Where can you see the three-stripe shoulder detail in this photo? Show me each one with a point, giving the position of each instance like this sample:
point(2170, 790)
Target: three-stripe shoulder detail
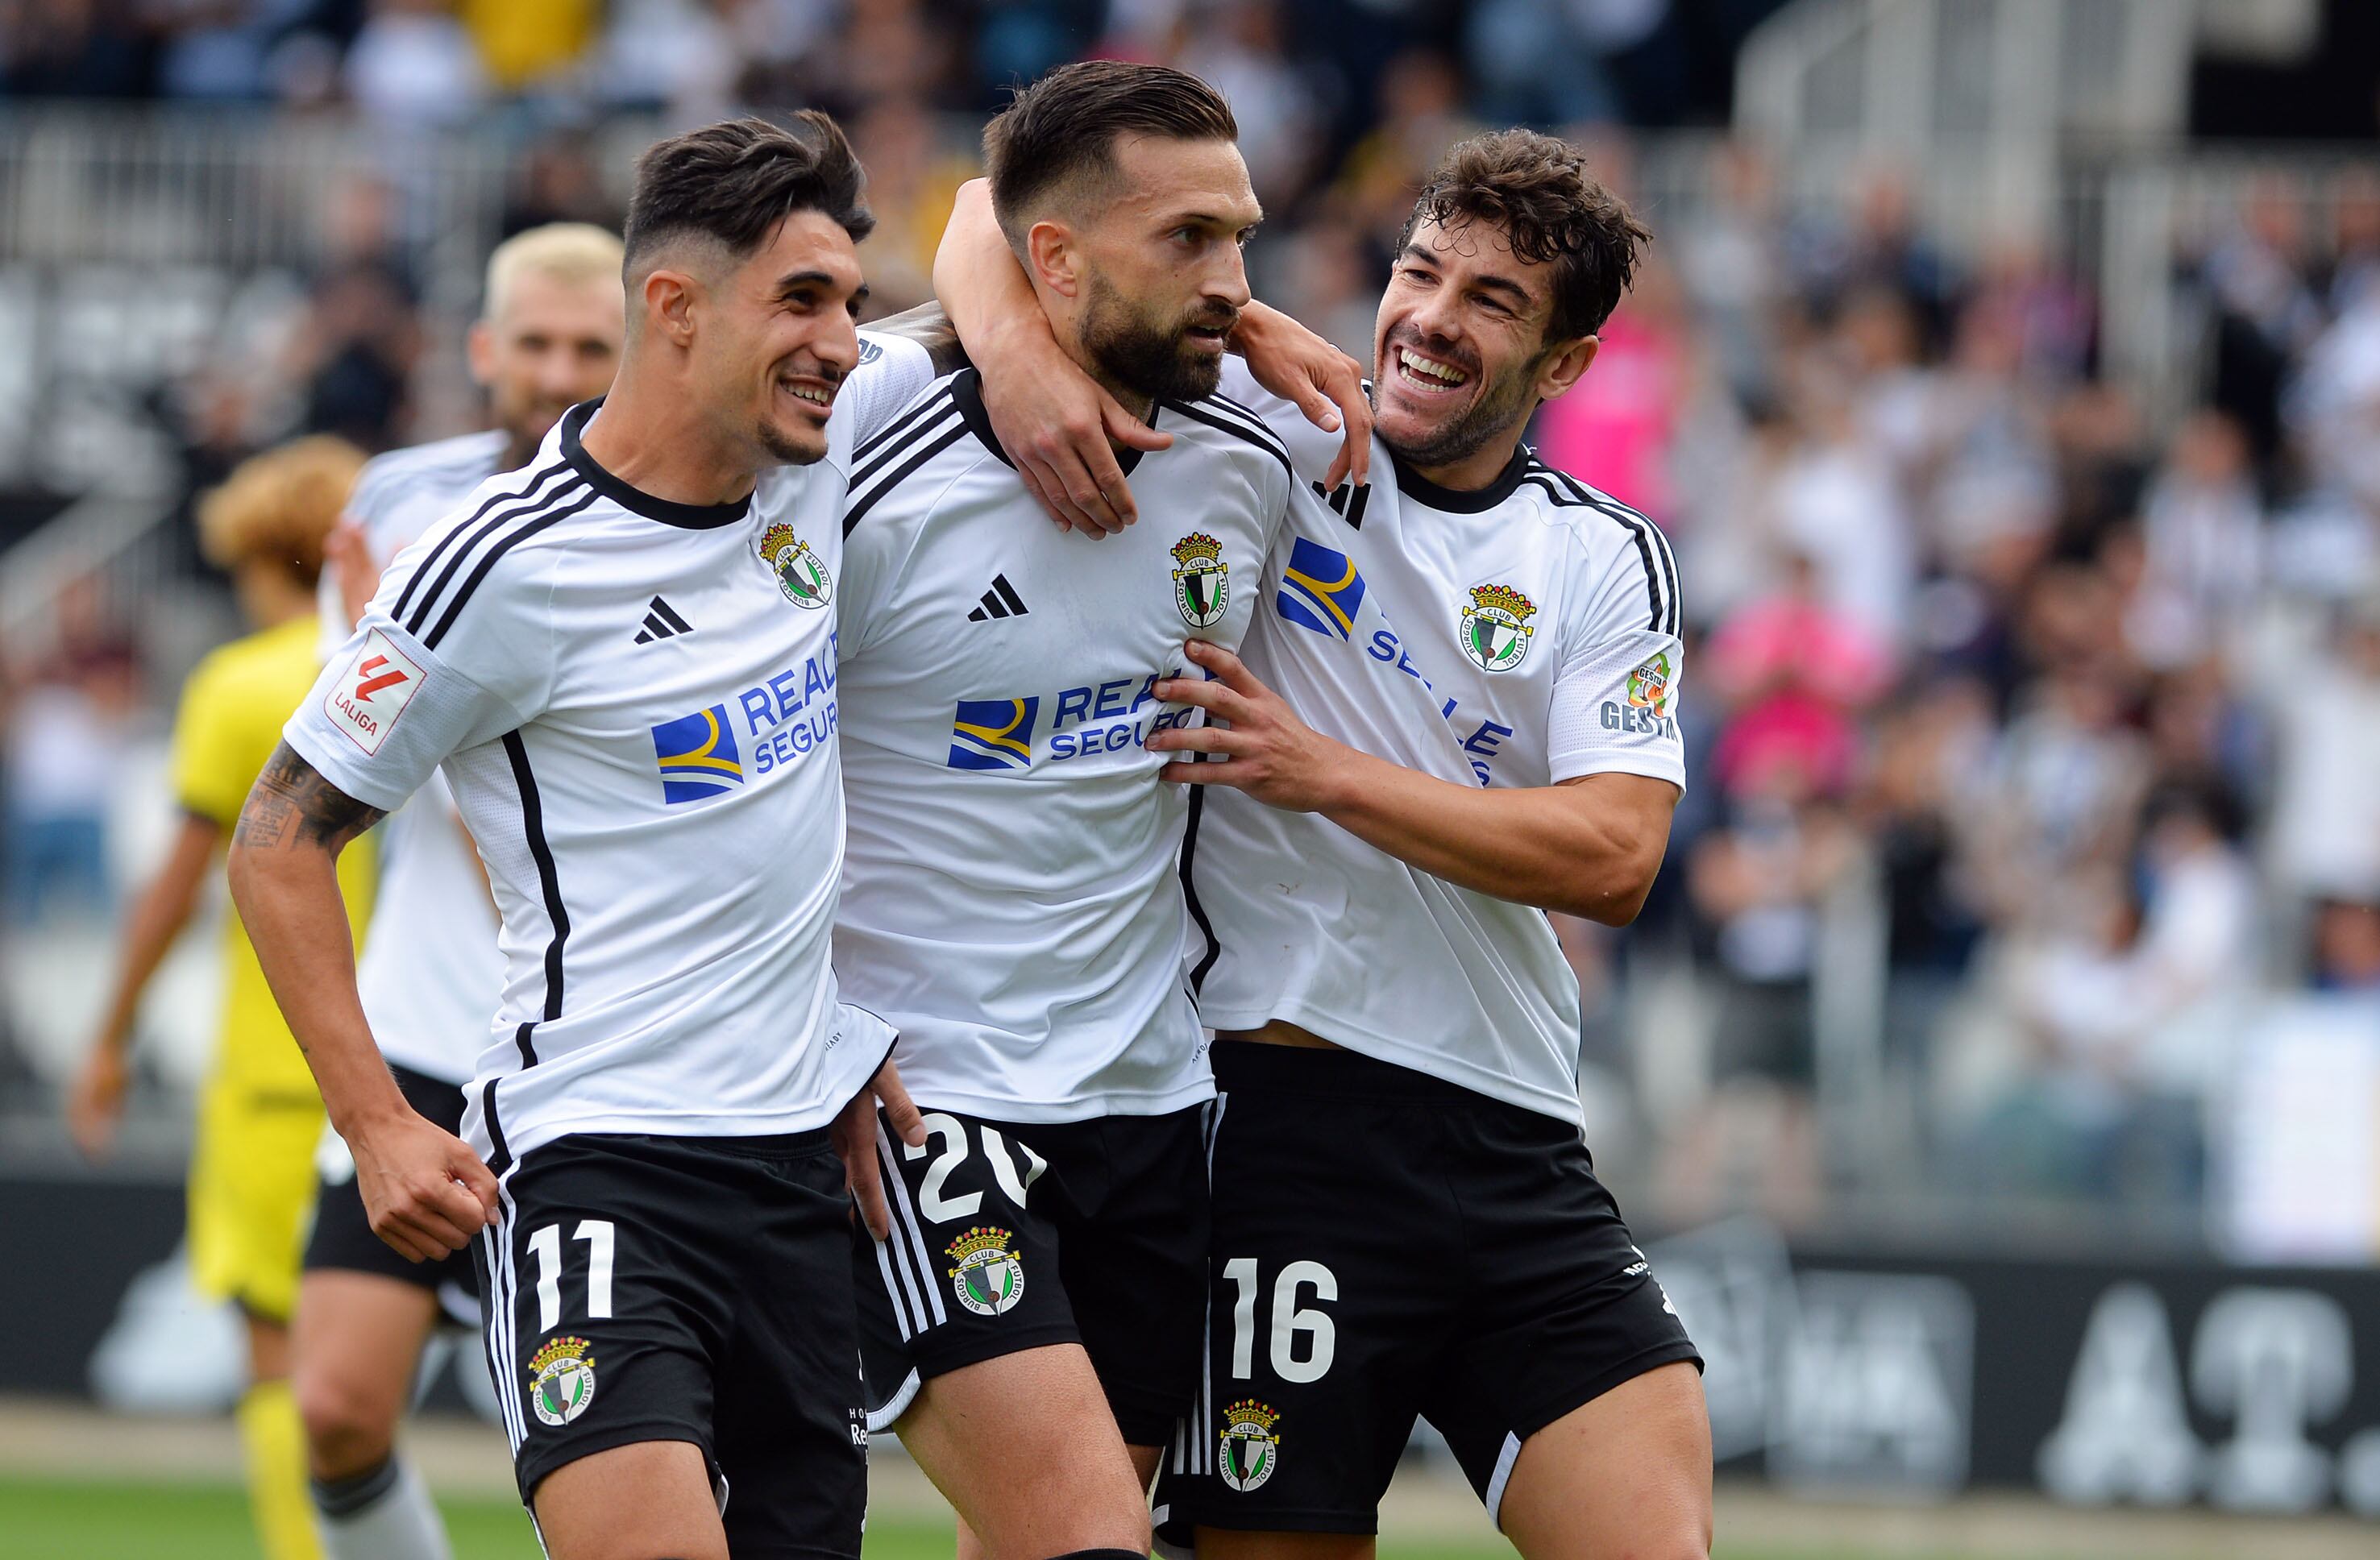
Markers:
point(887, 442)
point(1247, 413)
point(897, 461)
point(461, 559)
point(1652, 545)
point(1231, 417)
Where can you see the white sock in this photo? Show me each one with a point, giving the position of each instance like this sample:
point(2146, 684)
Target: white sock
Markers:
point(384, 1514)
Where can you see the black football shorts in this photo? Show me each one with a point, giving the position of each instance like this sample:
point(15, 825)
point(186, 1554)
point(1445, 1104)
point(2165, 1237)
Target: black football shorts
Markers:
point(343, 1238)
point(698, 1289)
point(1010, 1236)
point(1387, 1245)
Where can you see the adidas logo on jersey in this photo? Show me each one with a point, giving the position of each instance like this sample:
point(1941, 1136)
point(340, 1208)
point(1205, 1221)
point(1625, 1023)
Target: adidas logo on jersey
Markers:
point(662, 622)
point(1000, 602)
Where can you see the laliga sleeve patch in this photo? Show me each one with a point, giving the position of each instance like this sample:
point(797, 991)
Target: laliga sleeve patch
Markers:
point(372, 692)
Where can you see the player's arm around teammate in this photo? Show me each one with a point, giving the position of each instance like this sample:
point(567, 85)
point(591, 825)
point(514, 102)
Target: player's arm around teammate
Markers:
point(1039, 1412)
point(1588, 846)
point(1588, 1438)
point(1629, 1470)
point(1061, 427)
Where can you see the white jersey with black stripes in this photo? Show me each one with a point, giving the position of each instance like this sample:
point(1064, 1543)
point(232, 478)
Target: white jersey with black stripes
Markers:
point(1521, 634)
point(1012, 897)
point(660, 812)
point(429, 974)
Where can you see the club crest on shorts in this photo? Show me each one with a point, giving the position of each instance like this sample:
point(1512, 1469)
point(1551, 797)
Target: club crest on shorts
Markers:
point(1496, 629)
point(1251, 1447)
point(560, 1380)
point(1202, 581)
point(1648, 685)
point(800, 573)
point(990, 1278)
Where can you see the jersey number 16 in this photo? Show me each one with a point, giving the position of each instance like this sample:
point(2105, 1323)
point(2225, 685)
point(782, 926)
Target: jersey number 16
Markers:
point(1288, 1321)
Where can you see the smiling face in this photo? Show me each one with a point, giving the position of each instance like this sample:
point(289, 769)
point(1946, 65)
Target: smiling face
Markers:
point(1153, 276)
point(552, 343)
point(1460, 355)
point(779, 336)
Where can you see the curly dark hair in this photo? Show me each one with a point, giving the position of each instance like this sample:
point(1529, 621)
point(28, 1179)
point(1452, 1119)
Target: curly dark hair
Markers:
point(734, 181)
point(1059, 135)
point(1537, 192)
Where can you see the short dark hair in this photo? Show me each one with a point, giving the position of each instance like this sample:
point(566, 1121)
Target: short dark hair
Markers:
point(734, 181)
point(1061, 131)
point(1537, 192)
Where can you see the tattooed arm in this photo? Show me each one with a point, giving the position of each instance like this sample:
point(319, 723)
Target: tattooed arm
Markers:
point(426, 1191)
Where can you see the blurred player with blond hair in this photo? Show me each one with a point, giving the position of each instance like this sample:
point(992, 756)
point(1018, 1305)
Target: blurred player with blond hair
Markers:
point(548, 337)
point(260, 1118)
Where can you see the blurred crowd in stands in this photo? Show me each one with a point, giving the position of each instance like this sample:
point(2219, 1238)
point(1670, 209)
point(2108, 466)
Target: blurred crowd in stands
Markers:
point(1307, 66)
point(2034, 730)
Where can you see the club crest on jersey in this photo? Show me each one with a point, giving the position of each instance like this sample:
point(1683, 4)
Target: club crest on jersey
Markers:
point(560, 1380)
point(1202, 581)
point(1320, 591)
point(1251, 1447)
point(800, 572)
point(1648, 685)
point(990, 1278)
point(1496, 630)
point(993, 734)
point(698, 755)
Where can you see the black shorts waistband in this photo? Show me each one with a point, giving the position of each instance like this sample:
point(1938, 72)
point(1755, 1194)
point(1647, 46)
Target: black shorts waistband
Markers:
point(1334, 1073)
point(764, 1146)
point(774, 1145)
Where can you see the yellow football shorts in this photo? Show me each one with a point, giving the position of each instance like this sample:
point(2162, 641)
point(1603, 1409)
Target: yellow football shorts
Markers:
point(251, 1191)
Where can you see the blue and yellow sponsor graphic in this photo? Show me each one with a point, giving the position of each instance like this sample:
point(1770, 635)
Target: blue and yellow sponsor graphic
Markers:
point(698, 755)
point(1321, 590)
point(993, 734)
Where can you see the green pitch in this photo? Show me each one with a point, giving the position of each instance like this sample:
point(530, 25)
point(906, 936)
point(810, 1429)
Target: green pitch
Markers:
point(61, 1520)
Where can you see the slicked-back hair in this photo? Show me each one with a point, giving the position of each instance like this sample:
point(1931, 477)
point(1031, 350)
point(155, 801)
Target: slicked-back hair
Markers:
point(1059, 135)
point(1535, 191)
point(734, 181)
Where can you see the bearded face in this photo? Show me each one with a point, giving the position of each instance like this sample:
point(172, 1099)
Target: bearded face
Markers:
point(1164, 357)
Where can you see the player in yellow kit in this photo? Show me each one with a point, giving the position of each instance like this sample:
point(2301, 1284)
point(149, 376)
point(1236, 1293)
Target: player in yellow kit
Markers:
point(251, 1179)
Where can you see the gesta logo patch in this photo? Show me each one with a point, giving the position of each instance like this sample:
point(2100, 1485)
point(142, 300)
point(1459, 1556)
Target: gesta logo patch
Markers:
point(1651, 688)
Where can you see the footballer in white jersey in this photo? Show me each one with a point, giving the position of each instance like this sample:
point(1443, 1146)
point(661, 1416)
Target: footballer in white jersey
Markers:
point(998, 679)
point(1012, 902)
point(1536, 621)
point(549, 336)
point(659, 1206)
point(1457, 713)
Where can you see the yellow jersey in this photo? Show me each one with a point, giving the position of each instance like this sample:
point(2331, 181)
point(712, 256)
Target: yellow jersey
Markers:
point(232, 712)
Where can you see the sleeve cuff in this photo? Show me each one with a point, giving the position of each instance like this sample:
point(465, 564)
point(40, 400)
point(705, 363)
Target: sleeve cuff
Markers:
point(340, 770)
point(1648, 765)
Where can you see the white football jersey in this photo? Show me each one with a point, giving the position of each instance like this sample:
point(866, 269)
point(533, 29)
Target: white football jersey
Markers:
point(1519, 635)
point(429, 974)
point(660, 813)
point(1013, 902)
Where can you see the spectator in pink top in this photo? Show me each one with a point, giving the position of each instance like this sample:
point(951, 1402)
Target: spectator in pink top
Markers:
point(1614, 430)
